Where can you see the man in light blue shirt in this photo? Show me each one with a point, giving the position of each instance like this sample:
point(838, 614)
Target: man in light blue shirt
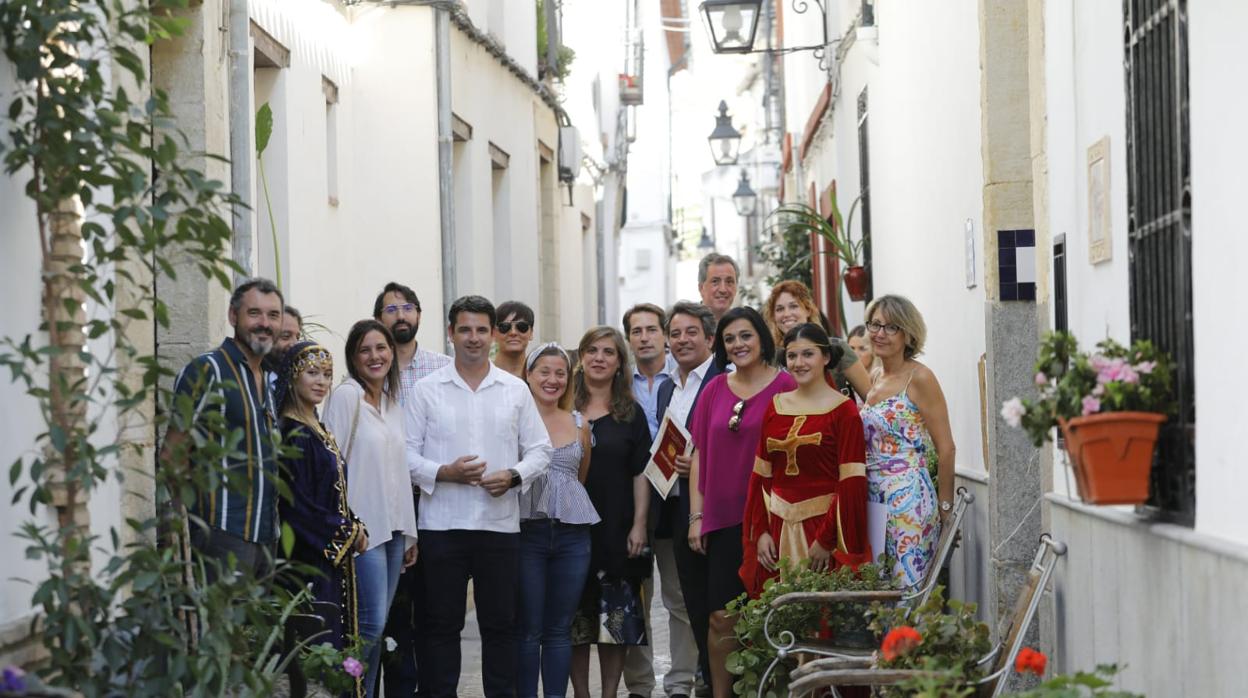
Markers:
point(643, 325)
point(652, 364)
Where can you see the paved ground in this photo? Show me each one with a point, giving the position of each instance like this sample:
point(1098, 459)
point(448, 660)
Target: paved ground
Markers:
point(470, 678)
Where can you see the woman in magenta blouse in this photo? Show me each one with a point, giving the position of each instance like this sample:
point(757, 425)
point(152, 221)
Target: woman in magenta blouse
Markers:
point(727, 424)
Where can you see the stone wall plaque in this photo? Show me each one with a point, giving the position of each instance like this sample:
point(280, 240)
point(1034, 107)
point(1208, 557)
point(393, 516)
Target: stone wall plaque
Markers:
point(1100, 245)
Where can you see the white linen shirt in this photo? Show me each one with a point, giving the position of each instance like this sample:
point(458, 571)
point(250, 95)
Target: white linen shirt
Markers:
point(684, 395)
point(498, 422)
point(377, 487)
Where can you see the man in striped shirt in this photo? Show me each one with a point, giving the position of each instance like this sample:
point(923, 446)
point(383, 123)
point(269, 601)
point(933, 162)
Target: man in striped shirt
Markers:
point(398, 308)
point(226, 394)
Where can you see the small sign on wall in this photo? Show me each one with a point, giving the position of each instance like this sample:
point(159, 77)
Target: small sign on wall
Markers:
point(1100, 247)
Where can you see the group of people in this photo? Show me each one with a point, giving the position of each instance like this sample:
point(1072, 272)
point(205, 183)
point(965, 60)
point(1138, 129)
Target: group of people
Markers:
point(522, 469)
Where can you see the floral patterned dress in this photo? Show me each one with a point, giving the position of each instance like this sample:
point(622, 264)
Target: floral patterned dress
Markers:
point(898, 451)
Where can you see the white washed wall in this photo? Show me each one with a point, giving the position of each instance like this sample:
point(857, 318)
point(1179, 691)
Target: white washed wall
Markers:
point(926, 179)
point(1219, 146)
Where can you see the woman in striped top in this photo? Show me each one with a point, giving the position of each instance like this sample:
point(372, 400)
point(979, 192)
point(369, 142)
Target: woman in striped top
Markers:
point(555, 516)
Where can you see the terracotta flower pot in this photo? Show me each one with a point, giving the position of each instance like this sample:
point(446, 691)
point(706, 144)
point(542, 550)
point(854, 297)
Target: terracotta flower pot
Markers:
point(1112, 454)
point(856, 280)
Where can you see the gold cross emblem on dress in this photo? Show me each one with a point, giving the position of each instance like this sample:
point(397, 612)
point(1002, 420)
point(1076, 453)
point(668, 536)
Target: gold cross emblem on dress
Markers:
point(790, 444)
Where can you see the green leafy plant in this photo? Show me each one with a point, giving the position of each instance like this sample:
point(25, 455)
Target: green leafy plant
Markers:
point(805, 621)
point(1073, 383)
point(335, 669)
point(264, 131)
point(119, 202)
point(1095, 683)
point(564, 55)
point(948, 642)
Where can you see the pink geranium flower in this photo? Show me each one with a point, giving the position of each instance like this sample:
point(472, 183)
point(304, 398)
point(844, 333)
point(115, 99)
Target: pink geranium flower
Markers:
point(1146, 367)
point(1091, 405)
point(1041, 379)
point(352, 666)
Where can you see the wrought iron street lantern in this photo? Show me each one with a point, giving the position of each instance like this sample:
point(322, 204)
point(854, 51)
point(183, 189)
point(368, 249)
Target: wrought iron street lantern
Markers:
point(725, 140)
point(732, 24)
point(706, 245)
point(744, 197)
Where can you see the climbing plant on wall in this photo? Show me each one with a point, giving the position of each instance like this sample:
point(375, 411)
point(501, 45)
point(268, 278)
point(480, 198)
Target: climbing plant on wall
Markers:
point(118, 203)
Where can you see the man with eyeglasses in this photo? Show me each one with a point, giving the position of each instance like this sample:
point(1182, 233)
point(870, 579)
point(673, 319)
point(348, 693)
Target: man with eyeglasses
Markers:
point(512, 335)
point(398, 308)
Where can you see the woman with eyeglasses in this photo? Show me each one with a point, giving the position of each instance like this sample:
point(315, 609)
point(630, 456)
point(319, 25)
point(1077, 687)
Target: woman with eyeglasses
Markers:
point(512, 334)
point(791, 304)
point(807, 499)
point(555, 517)
point(906, 419)
point(727, 423)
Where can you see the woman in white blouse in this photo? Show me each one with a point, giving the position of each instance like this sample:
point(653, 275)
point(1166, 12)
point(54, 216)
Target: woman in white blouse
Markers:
point(364, 415)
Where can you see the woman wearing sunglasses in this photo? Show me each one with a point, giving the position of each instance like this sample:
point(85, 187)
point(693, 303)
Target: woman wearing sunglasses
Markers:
point(727, 423)
point(807, 500)
point(512, 335)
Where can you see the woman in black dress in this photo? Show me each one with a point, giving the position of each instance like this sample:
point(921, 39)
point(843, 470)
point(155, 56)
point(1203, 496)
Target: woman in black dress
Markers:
point(611, 614)
point(327, 533)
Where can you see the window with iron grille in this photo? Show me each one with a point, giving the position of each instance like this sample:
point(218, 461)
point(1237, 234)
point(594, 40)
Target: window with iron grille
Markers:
point(1159, 227)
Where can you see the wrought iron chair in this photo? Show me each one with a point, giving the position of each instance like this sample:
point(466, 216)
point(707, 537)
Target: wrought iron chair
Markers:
point(833, 672)
point(787, 645)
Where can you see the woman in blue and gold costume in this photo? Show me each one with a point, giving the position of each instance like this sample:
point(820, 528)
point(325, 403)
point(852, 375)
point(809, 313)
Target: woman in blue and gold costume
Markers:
point(327, 533)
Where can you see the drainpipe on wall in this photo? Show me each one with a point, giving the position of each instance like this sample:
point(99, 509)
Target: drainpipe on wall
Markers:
point(241, 134)
point(446, 202)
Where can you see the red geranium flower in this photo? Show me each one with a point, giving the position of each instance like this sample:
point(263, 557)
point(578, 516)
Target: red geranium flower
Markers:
point(1030, 660)
point(899, 642)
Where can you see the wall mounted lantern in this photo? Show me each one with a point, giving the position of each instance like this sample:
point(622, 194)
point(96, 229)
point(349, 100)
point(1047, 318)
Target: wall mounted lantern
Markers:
point(706, 245)
point(725, 140)
point(744, 197)
point(733, 24)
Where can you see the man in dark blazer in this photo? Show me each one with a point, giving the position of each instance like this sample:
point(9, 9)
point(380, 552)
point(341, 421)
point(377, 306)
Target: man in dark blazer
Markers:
point(690, 331)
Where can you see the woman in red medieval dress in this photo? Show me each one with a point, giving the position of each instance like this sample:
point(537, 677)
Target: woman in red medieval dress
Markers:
point(807, 498)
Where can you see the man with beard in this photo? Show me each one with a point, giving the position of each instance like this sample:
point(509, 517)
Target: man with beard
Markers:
point(291, 331)
point(398, 308)
point(229, 392)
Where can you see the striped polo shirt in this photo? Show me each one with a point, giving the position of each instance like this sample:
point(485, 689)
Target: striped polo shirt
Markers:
point(220, 381)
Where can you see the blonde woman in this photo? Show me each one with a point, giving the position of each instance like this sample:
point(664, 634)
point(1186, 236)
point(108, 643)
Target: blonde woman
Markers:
point(905, 418)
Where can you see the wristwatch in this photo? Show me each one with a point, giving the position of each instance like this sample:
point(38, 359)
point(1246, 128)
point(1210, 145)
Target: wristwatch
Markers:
point(515, 477)
point(946, 507)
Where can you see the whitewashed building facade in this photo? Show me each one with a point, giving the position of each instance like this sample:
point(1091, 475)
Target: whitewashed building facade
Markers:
point(976, 126)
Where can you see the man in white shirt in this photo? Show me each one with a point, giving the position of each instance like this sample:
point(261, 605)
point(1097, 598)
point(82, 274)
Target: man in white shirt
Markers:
point(690, 333)
point(474, 441)
point(398, 308)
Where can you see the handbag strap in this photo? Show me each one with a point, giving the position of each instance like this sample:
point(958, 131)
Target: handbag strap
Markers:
point(355, 422)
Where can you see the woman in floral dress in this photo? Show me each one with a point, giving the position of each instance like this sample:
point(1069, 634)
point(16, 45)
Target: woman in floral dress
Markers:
point(905, 419)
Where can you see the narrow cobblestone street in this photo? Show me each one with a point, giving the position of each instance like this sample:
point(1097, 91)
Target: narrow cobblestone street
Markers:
point(470, 678)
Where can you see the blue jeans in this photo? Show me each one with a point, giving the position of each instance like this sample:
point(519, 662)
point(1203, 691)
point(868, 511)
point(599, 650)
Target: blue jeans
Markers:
point(377, 576)
point(554, 563)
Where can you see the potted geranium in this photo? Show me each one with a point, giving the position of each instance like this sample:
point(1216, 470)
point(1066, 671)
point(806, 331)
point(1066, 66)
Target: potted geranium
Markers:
point(1109, 404)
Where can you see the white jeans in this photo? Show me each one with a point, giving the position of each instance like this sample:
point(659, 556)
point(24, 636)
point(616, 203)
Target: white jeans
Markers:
point(639, 662)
